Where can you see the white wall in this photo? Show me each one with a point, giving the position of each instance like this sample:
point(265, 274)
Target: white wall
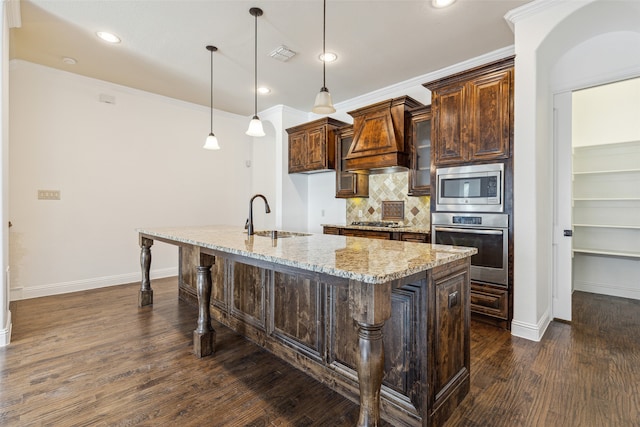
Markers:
point(607, 114)
point(135, 163)
point(544, 32)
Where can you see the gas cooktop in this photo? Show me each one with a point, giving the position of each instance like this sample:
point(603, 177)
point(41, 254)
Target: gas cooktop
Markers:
point(383, 224)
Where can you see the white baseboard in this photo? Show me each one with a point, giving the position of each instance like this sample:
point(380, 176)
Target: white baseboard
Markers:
point(606, 289)
point(86, 284)
point(531, 331)
point(5, 333)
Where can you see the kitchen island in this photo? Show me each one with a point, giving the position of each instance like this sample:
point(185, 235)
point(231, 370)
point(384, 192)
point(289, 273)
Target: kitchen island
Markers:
point(385, 323)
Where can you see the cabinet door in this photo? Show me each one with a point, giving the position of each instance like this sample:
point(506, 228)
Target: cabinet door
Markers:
point(420, 162)
point(489, 127)
point(348, 184)
point(449, 140)
point(414, 237)
point(316, 149)
point(297, 151)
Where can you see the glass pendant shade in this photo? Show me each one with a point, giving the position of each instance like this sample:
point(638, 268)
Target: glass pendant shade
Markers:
point(255, 127)
point(323, 104)
point(211, 143)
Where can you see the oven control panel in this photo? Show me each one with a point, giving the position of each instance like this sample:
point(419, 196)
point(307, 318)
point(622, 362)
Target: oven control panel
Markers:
point(470, 220)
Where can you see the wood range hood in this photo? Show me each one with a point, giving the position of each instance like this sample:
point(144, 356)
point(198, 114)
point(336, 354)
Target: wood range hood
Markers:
point(381, 138)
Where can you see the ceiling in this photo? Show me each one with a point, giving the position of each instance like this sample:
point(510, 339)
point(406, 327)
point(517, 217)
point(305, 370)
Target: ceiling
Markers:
point(378, 43)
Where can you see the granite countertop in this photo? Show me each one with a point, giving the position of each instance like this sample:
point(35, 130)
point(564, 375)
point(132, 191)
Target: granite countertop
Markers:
point(358, 258)
point(401, 229)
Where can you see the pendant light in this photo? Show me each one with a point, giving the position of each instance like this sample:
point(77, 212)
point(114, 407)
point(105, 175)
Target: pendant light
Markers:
point(323, 104)
point(255, 125)
point(212, 142)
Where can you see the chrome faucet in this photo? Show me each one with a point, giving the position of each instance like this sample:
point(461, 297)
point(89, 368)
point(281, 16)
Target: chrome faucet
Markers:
point(249, 224)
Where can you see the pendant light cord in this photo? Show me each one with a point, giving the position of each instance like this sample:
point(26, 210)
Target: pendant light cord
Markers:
point(211, 91)
point(324, 52)
point(255, 68)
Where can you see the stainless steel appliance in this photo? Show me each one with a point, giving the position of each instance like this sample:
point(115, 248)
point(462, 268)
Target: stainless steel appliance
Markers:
point(489, 232)
point(471, 188)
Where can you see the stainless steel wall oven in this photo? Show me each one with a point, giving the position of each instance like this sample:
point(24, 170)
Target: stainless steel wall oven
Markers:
point(489, 232)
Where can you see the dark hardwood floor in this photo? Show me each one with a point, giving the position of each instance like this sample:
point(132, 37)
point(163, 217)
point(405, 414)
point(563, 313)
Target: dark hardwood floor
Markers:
point(95, 358)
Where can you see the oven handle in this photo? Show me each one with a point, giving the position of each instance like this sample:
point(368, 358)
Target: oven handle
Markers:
point(469, 230)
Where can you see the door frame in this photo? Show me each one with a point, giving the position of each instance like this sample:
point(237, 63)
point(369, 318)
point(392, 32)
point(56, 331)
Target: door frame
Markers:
point(562, 247)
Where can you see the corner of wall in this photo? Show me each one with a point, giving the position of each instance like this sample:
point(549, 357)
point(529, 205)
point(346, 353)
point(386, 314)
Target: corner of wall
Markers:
point(531, 331)
point(5, 334)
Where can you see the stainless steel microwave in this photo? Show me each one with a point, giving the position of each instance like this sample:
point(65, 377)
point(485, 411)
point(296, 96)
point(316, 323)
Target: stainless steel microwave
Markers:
point(471, 188)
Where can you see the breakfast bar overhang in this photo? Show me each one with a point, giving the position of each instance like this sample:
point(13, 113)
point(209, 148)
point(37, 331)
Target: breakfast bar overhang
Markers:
point(384, 323)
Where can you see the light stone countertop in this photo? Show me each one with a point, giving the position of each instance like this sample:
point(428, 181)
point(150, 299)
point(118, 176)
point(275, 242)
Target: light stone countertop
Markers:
point(358, 258)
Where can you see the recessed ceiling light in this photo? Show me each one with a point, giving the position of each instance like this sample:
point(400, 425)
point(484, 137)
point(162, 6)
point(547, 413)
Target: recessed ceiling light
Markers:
point(69, 61)
point(439, 4)
point(328, 57)
point(108, 37)
point(264, 90)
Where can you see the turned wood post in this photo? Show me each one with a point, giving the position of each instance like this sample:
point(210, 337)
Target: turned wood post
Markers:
point(370, 306)
point(204, 336)
point(145, 297)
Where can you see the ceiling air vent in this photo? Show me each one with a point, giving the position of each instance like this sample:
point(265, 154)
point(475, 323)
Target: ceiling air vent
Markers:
point(282, 53)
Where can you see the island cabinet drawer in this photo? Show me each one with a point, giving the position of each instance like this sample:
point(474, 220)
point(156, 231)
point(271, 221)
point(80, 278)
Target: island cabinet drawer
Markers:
point(489, 300)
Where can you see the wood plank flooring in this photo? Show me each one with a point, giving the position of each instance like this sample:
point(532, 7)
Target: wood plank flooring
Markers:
point(95, 358)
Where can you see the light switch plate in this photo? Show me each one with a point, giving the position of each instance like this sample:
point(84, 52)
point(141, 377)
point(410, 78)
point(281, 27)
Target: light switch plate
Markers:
point(48, 194)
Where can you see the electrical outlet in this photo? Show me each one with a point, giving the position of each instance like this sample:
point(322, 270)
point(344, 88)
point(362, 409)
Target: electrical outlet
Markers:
point(359, 213)
point(48, 194)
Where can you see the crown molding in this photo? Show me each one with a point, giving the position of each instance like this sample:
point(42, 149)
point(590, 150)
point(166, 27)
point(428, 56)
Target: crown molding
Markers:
point(530, 9)
point(393, 90)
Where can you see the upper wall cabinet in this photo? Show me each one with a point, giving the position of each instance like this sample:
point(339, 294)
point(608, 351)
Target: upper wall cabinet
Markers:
point(420, 152)
point(312, 145)
point(473, 114)
point(348, 184)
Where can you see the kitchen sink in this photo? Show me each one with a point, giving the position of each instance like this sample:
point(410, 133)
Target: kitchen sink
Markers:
point(279, 234)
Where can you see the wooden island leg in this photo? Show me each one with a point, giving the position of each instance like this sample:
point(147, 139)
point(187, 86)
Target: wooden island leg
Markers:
point(370, 307)
point(204, 336)
point(370, 373)
point(145, 297)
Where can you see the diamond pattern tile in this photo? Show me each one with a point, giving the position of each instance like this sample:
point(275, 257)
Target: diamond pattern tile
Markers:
point(392, 187)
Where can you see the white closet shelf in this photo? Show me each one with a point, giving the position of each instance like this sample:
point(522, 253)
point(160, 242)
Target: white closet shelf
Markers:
point(607, 172)
point(624, 227)
point(608, 253)
point(606, 199)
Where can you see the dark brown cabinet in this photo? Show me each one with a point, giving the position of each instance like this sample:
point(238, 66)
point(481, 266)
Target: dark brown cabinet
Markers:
point(312, 145)
point(381, 135)
point(420, 152)
point(473, 114)
point(348, 184)
point(393, 234)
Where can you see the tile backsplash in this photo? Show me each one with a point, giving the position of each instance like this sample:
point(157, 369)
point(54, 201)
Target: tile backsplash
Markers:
point(389, 187)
